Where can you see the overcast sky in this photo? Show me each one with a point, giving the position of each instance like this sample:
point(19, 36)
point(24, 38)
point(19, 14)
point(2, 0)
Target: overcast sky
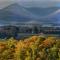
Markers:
point(43, 3)
point(38, 0)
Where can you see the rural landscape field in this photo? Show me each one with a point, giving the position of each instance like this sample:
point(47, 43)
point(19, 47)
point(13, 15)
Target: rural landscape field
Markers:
point(31, 48)
point(29, 29)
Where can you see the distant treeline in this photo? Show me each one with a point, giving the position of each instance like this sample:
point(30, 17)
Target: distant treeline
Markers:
point(14, 31)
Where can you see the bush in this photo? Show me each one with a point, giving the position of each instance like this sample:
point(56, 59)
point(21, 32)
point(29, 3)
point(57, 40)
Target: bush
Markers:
point(32, 48)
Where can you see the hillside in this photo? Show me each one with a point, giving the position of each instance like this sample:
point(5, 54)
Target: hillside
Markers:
point(32, 48)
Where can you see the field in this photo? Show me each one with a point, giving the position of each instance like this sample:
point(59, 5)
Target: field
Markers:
point(32, 48)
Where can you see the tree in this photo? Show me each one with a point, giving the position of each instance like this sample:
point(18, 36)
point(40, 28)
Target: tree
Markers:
point(35, 29)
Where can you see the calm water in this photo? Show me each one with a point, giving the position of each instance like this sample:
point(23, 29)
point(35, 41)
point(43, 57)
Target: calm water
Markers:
point(25, 35)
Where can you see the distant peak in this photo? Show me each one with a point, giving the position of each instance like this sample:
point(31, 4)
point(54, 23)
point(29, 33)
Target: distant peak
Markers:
point(15, 4)
point(58, 11)
point(12, 5)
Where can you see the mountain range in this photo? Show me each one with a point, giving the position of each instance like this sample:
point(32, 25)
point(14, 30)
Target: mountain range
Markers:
point(17, 13)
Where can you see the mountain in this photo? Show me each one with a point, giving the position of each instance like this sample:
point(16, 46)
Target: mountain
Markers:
point(40, 12)
point(53, 18)
point(15, 12)
point(56, 14)
point(50, 18)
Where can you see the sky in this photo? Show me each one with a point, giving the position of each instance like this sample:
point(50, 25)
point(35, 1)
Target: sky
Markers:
point(40, 3)
point(29, 3)
point(42, 0)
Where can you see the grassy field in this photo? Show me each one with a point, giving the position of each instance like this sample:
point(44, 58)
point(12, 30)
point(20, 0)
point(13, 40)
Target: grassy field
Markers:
point(31, 48)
